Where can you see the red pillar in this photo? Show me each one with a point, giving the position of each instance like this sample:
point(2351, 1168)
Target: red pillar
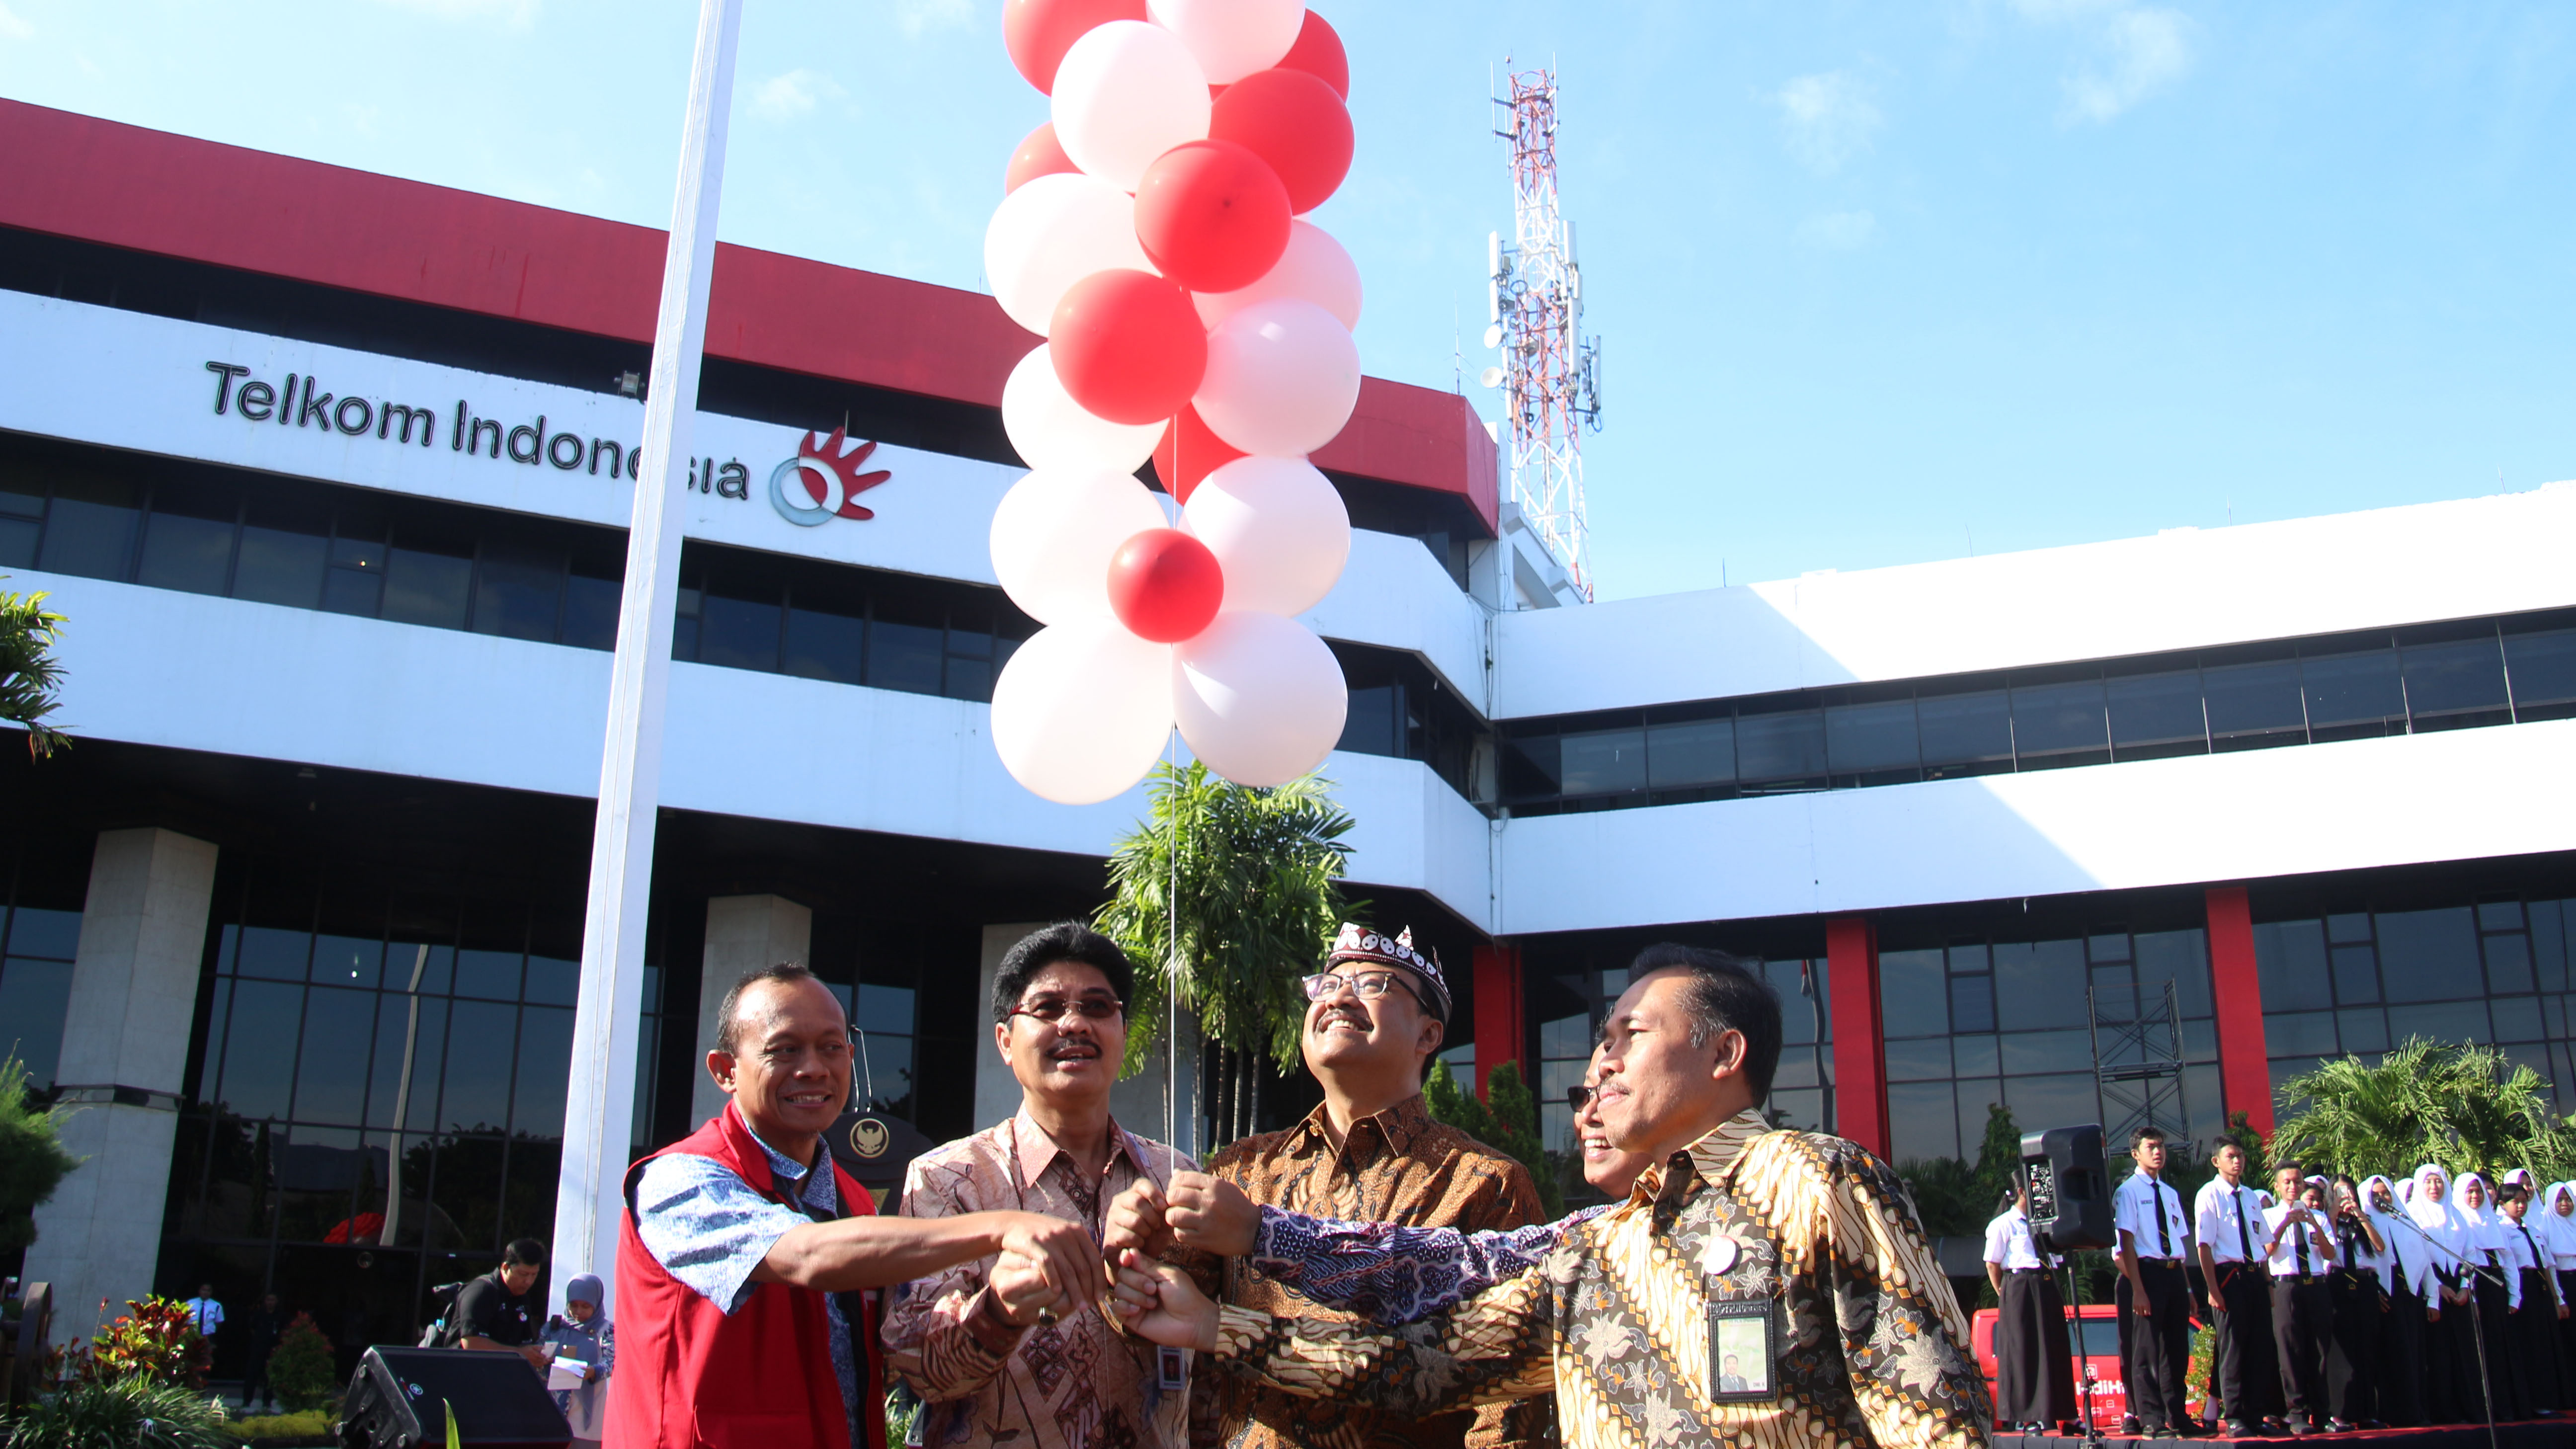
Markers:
point(1501, 1034)
point(2236, 991)
point(1860, 1038)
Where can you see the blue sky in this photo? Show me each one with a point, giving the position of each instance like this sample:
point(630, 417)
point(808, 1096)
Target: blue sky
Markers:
point(1877, 283)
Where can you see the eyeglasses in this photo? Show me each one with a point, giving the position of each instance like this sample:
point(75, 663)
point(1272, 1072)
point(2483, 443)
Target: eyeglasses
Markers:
point(1579, 1098)
point(1366, 985)
point(1051, 1009)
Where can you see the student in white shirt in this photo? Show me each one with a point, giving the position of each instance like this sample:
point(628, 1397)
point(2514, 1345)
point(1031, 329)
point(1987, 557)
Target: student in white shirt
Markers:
point(2535, 1315)
point(2034, 1372)
point(2155, 1234)
point(2554, 1221)
point(2498, 1293)
point(2229, 1225)
point(2300, 1253)
point(2405, 1274)
point(2360, 1297)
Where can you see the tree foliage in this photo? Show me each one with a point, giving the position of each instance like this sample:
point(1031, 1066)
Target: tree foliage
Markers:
point(1956, 1198)
point(303, 1368)
point(154, 1340)
point(2463, 1106)
point(32, 1160)
point(128, 1413)
point(30, 676)
point(1507, 1121)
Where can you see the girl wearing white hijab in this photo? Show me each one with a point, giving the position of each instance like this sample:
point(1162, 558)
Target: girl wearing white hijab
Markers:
point(2453, 1388)
point(2554, 1221)
point(2498, 1290)
point(2405, 1272)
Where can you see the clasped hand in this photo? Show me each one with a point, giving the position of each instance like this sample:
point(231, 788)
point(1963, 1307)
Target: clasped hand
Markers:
point(1205, 1213)
point(1046, 1266)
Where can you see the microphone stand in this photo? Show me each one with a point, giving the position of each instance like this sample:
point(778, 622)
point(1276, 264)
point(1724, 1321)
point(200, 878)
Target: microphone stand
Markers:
point(2477, 1320)
point(2092, 1434)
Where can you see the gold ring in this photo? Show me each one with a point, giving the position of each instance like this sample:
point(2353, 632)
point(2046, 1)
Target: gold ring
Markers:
point(1046, 1318)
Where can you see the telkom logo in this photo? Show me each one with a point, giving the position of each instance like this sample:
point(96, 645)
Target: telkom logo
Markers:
point(823, 482)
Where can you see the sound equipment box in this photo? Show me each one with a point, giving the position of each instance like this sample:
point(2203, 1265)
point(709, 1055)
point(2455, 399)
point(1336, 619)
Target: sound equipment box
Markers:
point(400, 1399)
point(2069, 1182)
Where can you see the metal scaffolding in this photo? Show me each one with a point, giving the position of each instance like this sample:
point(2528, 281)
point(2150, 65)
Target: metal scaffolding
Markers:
point(2137, 1062)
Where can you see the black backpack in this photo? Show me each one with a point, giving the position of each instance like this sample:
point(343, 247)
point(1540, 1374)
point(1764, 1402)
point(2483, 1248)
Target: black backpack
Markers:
point(441, 1334)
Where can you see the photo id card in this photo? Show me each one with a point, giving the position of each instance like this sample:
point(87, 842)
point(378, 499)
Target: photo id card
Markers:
point(1744, 1352)
point(1170, 1374)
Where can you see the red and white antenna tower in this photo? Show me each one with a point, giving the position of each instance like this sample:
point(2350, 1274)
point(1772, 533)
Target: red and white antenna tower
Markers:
point(1551, 372)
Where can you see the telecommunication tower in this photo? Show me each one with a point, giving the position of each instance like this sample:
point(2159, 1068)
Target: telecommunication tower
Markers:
point(1551, 372)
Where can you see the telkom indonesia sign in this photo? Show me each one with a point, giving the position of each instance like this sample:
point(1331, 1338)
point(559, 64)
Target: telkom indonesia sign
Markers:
point(823, 482)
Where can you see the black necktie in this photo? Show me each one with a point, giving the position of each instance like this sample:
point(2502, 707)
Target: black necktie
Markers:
point(2299, 1235)
point(2164, 1240)
point(2527, 1242)
point(2351, 1247)
point(2244, 1240)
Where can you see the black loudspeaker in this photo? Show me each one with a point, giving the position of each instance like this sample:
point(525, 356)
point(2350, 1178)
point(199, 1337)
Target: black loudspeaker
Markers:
point(400, 1398)
point(2069, 1180)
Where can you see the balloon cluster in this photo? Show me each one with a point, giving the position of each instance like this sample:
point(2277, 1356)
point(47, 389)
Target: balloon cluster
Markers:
point(1150, 233)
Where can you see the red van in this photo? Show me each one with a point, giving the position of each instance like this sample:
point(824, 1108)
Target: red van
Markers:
point(2093, 1336)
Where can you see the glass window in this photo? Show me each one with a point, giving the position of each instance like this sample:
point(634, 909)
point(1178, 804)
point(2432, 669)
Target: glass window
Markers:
point(2057, 719)
point(1872, 739)
point(2290, 959)
point(1603, 762)
point(22, 520)
point(258, 1069)
point(2462, 677)
point(2427, 956)
point(518, 590)
point(347, 961)
point(2356, 974)
point(1972, 1003)
point(1780, 747)
point(2518, 1018)
point(1915, 1059)
point(90, 529)
point(34, 932)
point(2254, 703)
point(739, 631)
point(1965, 734)
point(2354, 694)
point(2549, 943)
point(2027, 1052)
point(1368, 728)
point(2349, 927)
point(2446, 1022)
point(35, 997)
point(1529, 766)
point(2040, 984)
point(905, 641)
point(1913, 995)
point(188, 540)
point(1979, 1056)
point(331, 1069)
point(285, 545)
point(1923, 1120)
point(2500, 915)
point(590, 610)
point(2154, 714)
point(428, 580)
point(554, 980)
point(545, 1059)
point(826, 645)
point(2509, 964)
point(490, 974)
point(2363, 1028)
point(410, 1029)
point(1693, 752)
point(2299, 1033)
point(267, 951)
point(2542, 668)
point(2041, 1102)
point(355, 581)
point(482, 1039)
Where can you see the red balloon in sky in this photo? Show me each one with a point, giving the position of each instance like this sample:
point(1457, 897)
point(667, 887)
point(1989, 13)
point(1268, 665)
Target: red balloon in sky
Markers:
point(1039, 155)
point(1318, 51)
point(1212, 214)
point(1039, 32)
point(1188, 453)
point(1293, 121)
point(1165, 585)
point(1128, 346)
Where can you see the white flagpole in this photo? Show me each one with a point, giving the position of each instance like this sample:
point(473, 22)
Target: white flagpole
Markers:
point(599, 1110)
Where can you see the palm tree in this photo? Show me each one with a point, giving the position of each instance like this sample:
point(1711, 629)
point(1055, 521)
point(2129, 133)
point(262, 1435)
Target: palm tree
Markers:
point(29, 675)
point(2464, 1107)
point(1234, 891)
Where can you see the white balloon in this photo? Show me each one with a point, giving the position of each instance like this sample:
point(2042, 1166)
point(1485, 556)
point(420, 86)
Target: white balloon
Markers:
point(1052, 433)
point(1054, 534)
point(1258, 697)
point(1052, 232)
point(1282, 378)
point(1126, 93)
point(1277, 527)
point(1231, 38)
point(1314, 268)
point(1082, 710)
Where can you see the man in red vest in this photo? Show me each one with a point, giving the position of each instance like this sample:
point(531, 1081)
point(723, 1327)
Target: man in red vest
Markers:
point(742, 1261)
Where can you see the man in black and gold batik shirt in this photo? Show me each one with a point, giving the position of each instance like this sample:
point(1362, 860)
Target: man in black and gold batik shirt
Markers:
point(1793, 1252)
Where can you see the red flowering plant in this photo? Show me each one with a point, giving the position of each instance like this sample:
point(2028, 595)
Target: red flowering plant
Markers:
point(157, 1341)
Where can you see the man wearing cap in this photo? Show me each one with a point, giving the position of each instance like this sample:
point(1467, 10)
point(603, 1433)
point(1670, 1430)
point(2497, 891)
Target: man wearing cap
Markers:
point(1370, 1153)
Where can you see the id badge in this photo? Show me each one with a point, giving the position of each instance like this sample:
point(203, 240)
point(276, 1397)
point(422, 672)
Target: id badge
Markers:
point(1171, 1371)
point(1743, 1352)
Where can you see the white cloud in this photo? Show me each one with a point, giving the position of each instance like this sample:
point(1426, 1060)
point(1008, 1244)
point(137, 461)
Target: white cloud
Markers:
point(785, 97)
point(916, 16)
point(12, 27)
point(1839, 231)
point(2150, 49)
point(1827, 119)
point(516, 14)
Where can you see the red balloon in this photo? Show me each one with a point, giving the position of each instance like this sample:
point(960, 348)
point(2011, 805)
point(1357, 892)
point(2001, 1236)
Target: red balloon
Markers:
point(1128, 346)
point(1318, 51)
point(1212, 215)
point(1165, 585)
point(1188, 453)
point(1039, 155)
point(1039, 32)
point(1293, 121)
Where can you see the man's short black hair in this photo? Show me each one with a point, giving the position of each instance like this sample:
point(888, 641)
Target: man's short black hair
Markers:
point(726, 1041)
point(1048, 945)
point(2145, 1135)
point(1726, 993)
point(525, 1252)
point(2290, 1164)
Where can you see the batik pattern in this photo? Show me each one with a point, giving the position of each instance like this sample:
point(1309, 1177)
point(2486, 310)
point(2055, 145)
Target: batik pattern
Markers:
point(1614, 1322)
point(1389, 1273)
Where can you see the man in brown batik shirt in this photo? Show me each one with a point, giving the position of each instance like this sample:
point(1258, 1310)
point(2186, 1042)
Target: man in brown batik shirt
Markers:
point(1372, 1153)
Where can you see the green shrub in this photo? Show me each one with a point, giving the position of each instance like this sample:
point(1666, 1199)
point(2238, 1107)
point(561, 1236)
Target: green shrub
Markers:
point(1509, 1125)
point(32, 1160)
point(128, 1413)
point(312, 1424)
point(303, 1369)
point(155, 1339)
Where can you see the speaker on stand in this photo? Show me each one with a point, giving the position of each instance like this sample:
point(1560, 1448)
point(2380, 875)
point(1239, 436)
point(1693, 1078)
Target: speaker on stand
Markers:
point(2067, 1174)
point(400, 1399)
